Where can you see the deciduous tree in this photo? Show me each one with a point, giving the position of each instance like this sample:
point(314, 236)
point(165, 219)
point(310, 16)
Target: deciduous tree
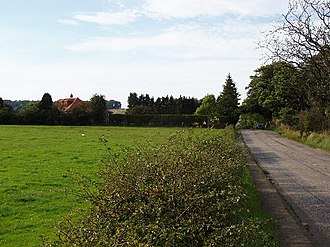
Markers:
point(47, 113)
point(99, 107)
point(46, 102)
point(208, 106)
point(6, 113)
point(302, 37)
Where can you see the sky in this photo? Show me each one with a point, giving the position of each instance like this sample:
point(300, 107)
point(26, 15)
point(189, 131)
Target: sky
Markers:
point(114, 47)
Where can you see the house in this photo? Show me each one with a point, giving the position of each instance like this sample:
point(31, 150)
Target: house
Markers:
point(68, 104)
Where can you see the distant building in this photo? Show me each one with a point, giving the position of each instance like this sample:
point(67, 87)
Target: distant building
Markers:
point(113, 104)
point(68, 104)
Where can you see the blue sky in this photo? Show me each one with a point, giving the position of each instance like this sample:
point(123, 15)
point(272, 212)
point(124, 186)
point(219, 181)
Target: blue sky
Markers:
point(114, 47)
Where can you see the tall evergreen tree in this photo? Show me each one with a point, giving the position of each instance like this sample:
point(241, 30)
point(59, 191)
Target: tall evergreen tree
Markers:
point(227, 102)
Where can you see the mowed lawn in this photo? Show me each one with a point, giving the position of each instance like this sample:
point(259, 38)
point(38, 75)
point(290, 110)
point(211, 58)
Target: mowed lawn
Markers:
point(35, 173)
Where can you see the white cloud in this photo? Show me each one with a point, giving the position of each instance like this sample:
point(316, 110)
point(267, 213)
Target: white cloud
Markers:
point(195, 8)
point(181, 9)
point(181, 42)
point(68, 22)
point(167, 39)
point(108, 18)
point(156, 57)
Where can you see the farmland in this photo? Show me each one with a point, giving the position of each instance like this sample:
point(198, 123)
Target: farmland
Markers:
point(35, 173)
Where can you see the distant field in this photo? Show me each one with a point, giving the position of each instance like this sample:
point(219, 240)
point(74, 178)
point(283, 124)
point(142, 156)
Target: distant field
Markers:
point(35, 164)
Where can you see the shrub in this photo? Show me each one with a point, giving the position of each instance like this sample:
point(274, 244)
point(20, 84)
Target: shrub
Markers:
point(316, 120)
point(186, 192)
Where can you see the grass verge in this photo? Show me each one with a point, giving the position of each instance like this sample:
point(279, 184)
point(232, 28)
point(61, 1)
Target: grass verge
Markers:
point(315, 140)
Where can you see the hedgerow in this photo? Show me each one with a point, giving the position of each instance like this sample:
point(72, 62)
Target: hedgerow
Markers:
point(156, 120)
point(185, 192)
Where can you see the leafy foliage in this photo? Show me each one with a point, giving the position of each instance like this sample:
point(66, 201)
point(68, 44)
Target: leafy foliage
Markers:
point(99, 107)
point(141, 110)
point(17, 105)
point(185, 192)
point(298, 93)
point(302, 38)
point(208, 106)
point(249, 121)
point(46, 102)
point(274, 87)
point(282, 91)
point(6, 113)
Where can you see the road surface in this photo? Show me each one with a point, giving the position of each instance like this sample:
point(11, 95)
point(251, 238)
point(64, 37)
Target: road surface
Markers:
point(300, 174)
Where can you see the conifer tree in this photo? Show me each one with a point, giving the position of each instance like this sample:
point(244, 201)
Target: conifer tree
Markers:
point(228, 103)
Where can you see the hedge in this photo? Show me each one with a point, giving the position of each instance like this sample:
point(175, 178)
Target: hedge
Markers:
point(157, 120)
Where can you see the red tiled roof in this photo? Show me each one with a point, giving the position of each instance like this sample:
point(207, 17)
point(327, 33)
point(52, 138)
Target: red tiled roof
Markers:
point(67, 105)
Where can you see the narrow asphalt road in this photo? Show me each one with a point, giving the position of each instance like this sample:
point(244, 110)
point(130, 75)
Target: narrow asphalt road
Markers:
point(300, 174)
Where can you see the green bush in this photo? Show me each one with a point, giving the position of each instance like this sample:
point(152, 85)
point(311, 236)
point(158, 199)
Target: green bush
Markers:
point(316, 120)
point(186, 192)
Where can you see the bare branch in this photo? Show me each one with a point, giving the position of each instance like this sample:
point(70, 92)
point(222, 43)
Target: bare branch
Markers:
point(302, 38)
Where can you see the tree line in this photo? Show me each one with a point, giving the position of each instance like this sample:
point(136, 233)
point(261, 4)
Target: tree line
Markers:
point(219, 112)
point(144, 104)
point(45, 112)
point(142, 110)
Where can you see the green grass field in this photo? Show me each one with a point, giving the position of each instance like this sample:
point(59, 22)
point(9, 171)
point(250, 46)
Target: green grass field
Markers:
point(35, 164)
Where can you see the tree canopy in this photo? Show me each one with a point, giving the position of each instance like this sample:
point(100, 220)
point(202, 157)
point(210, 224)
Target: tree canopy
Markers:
point(208, 106)
point(144, 104)
point(46, 102)
point(303, 39)
point(99, 107)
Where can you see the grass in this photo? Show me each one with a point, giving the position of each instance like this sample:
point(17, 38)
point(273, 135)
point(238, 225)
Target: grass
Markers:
point(35, 165)
point(35, 175)
point(315, 140)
